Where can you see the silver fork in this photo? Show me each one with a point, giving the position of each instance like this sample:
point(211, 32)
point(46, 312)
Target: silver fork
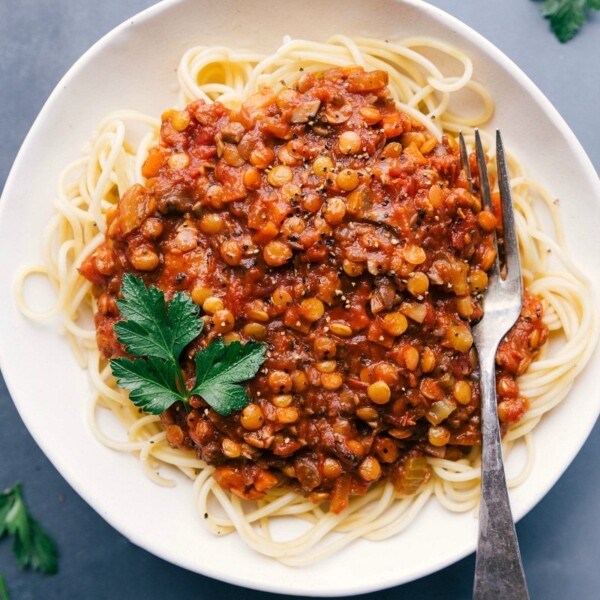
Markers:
point(498, 567)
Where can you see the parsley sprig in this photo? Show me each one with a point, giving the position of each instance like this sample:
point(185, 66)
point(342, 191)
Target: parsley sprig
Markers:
point(567, 16)
point(156, 332)
point(32, 546)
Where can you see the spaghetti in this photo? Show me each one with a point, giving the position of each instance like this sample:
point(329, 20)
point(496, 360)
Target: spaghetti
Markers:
point(91, 187)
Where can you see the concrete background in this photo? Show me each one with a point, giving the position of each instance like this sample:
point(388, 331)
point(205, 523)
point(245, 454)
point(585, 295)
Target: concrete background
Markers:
point(559, 538)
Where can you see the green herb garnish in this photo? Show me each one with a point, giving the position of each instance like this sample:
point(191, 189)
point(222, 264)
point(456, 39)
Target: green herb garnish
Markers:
point(3, 589)
point(567, 16)
point(157, 332)
point(32, 546)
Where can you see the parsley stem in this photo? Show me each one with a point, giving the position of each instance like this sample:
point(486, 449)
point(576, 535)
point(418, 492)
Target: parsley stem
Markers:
point(180, 383)
point(3, 589)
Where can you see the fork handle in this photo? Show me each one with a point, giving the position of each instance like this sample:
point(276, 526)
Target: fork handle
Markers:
point(498, 568)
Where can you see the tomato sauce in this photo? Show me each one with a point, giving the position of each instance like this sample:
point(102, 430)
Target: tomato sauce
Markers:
point(329, 225)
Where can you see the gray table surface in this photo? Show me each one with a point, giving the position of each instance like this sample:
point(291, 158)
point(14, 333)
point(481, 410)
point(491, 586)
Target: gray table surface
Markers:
point(560, 538)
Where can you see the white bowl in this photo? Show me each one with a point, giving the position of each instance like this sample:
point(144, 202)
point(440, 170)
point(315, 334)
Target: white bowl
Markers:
point(134, 67)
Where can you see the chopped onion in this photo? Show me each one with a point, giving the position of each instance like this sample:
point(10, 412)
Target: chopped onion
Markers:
point(439, 410)
point(414, 475)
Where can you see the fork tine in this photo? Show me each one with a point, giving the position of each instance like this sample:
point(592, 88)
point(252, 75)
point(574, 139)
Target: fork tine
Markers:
point(484, 182)
point(511, 244)
point(464, 160)
point(486, 196)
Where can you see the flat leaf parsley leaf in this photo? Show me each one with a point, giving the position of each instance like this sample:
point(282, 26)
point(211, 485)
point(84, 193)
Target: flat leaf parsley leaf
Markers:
point(567, 16)
point(151, 328)
point(156, 332)
point(32, 546)
point(152, 382)
point(220, 367)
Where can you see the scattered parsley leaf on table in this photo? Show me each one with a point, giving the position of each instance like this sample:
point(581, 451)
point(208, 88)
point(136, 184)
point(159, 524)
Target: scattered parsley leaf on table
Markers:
point(3, 589)
point(32, 546)
point(567, 16)
point(156, 332)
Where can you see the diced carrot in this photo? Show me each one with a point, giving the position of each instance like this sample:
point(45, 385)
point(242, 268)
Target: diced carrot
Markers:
point(265, 234)
point(156, 159)
point(392, 125)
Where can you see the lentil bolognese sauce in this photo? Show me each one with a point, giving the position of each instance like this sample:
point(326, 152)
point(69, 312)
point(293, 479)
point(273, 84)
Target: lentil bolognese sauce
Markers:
point(325, 222)
point(312, 202)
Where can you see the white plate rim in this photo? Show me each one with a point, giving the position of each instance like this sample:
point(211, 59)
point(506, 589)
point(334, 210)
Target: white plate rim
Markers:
point(13, 384)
